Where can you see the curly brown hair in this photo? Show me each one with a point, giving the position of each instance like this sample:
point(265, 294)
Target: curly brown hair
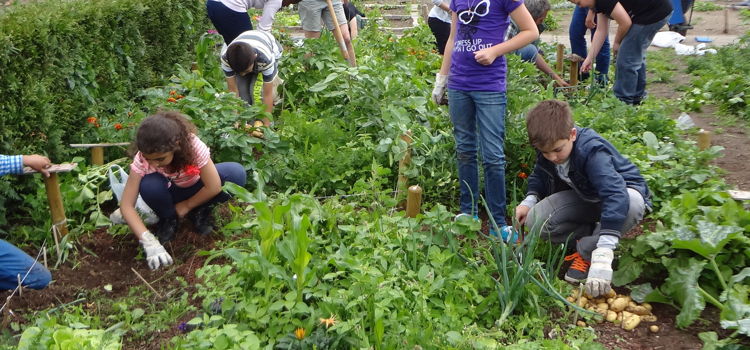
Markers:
point(168, 131)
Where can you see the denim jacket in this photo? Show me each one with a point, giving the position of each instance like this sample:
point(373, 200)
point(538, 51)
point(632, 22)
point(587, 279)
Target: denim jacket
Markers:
point(599, 173)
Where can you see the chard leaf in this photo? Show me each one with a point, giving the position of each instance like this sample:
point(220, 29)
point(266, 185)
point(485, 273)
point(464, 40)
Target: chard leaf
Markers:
point(643, 293)
point(682, 285)
point(712, 239)
point(628, 269)
point(745, 273)
point(742, 325)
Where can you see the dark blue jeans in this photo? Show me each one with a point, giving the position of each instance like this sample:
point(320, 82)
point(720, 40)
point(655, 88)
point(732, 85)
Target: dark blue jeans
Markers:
point(14, 262)
point(227, 22)
point(577, 34)
point(630, 77)
point(479, 125)
point(162, 198)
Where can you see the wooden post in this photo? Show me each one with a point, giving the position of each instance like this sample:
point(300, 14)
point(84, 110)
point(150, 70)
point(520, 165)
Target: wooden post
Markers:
point(97, 155)
point(704, 139)
point(573, 72)
point(414, 201)
point(97, 150)
point(726, 20)
point(54, 198)
point(404, 162)
point(560, 53)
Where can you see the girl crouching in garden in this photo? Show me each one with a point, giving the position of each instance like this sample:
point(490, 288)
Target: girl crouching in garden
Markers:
point(174, 174)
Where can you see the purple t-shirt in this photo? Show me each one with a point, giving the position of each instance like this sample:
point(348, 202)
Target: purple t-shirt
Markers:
point(481, 24)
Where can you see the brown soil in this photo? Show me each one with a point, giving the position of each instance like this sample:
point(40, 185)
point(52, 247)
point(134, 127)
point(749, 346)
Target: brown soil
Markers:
point(104, 259)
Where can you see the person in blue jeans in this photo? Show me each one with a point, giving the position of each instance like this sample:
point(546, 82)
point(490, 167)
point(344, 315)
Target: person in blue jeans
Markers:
point(13, 261)
point(637, 24)
point(474, 58)
point(531, 53)
point(582, 21)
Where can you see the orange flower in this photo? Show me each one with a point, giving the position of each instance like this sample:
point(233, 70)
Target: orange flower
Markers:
point(118, 126)
point(524, 165)
point(180, 96)
point(91, 120)
point(522, 175)
point(299, 333)
point(256, 18)
point(171, 99)
point(172, 93)
point(328, 321)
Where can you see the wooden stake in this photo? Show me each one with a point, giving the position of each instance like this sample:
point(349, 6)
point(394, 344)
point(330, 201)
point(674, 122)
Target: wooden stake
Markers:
point(404, 162)
point(20, 287)
point(147, 284)
point(726, 20)
point(704, 139)
point(57, 243)
point(560, 53)
point(414, 201)
point(573, 73)
point(97, 155)
point(54, 198)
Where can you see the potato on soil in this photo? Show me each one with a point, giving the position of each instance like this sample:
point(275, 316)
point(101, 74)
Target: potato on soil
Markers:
point(581, 324)
point(639, 310)
point(631, 322)
point(611, 316)
point(610, 294)
point(603, 306)
point(648, 318)
point(582, 302)
point(653, 328)
point(571, 299)
point(647, 306)
point(618, 304)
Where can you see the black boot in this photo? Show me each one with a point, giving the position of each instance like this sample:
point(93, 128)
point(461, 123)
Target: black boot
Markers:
point(203, 219)
point(166, 229)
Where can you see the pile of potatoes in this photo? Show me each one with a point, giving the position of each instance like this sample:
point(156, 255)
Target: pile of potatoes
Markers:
point(615, 308)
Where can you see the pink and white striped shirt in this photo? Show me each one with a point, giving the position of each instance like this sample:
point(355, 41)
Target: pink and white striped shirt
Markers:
point(185, 177)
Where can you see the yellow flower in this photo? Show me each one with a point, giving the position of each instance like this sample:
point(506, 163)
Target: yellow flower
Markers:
point(299, 333)
point(328, 321)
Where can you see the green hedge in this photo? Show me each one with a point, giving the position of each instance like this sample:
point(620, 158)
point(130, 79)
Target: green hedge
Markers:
point(62, 61)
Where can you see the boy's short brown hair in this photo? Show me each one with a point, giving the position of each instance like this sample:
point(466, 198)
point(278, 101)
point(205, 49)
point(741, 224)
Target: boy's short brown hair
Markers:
point(548, 122)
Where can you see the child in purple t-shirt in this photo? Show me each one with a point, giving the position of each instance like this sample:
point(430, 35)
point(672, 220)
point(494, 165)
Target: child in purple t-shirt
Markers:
point(474, 57)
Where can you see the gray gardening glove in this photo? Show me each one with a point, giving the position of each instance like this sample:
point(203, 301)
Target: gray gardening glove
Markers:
point(438, 92)
point(600, 272)
point(156, 255)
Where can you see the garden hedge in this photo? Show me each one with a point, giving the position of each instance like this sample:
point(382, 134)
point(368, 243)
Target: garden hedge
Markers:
point(63, 61)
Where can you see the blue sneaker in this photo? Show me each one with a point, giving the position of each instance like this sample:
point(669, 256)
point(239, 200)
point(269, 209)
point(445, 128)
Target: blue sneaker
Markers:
point(460, 216)
point(508, 234)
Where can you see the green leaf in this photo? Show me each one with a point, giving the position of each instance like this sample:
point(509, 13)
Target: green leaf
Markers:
point(710, 340)
point(743, 325)
point(628, 269)
point(745, 273)
point(682, 285)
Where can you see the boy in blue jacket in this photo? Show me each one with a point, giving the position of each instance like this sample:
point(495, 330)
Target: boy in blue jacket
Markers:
point(582, 192)
point(13, 261)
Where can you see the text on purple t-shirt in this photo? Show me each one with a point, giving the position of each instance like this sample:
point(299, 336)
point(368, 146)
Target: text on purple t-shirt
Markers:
point(481, 24)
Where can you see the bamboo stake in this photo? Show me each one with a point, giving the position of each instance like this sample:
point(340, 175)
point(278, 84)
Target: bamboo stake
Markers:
point(704, 139)
point(147, 284)
point(560, 53)
point(414, 201)
point(337, 34)
point(404, 162)
point(54, 198)
point(573, 73)
point(726, 20)
point(20, 287)
point(97, 155)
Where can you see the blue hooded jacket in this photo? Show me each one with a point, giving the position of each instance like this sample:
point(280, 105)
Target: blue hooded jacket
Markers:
point(599, 173)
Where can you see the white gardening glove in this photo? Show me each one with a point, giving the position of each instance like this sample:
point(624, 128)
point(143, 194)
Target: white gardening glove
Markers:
point(600, 272)
point(156, 255)
point(438, 92)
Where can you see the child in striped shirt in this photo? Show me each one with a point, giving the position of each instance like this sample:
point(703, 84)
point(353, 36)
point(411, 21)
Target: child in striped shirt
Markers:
point(174, 174)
